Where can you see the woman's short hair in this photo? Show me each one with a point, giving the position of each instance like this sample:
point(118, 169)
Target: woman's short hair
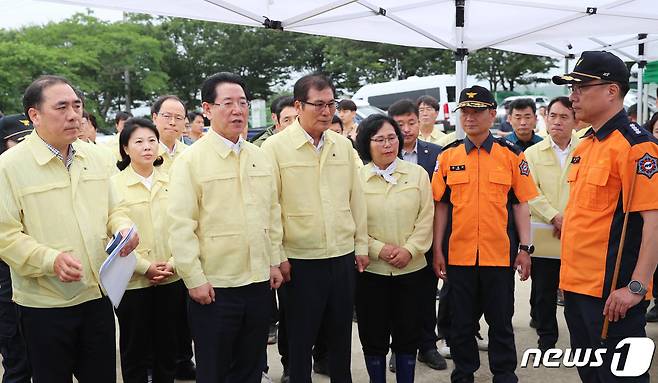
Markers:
point(368, 128)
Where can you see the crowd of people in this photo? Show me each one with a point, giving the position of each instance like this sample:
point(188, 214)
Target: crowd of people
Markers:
point(318, 221)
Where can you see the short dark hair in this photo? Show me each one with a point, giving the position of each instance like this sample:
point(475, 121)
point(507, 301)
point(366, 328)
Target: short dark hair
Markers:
point(155, 108)
point(428, 100)
point(336, 120)
point(93, 122)
point(209, 86)
point(522, 103)
point(193, 114)
point(346, 105)
point(624, 87)
point(129, 128)
point(564, 101)
point(632, 110)
point(122, 116)
point(368, 128)
point(652, 121)
point(317, 81)
point(33, 95)
point(401, 107)
point(280, 103)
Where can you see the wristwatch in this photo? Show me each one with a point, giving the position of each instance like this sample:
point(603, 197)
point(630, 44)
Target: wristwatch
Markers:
point(527, 248)
point(636, 287)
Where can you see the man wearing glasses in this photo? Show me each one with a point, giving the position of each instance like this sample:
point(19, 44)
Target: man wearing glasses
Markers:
point(614, 170)
point(168, 114)
point(324, 228)
point(226, 237)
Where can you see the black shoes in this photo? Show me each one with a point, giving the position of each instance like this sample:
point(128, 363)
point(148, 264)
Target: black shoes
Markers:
point(432, 359)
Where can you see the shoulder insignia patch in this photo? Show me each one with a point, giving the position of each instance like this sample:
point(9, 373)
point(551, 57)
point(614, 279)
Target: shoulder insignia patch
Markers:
point(525, 169)
point(647, 165)
point(575, 160)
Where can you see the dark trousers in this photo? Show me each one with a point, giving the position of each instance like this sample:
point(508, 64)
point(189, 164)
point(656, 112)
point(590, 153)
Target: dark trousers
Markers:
point(147, 326)
point(443, 315)
point(545, 274)
point(427, 290)
point(389, 307)
point(184, 339)
point(320, 293)
point(76, 340)
point(230, 333)
point(585, 321)
point(475, 289)
point(12, 347)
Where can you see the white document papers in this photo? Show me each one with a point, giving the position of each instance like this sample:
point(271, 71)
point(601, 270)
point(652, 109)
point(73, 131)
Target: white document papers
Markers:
point(546, 245)
point(116, 271)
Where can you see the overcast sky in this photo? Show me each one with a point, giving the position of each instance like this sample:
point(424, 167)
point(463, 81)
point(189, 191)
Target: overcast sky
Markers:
point(18, 13)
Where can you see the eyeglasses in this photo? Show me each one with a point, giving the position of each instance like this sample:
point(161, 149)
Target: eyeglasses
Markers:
point(578, 89)
point(384, 140)
point(319, 106)
point(168, 116)
point(242, 104)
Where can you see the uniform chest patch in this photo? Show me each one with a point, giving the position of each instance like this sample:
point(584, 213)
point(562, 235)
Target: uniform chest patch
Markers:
point(647, 165)
point(525, 169)
point(457, 168)
point(575, 160)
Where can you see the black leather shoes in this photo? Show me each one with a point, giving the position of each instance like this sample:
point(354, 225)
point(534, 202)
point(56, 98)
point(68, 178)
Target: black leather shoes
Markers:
point(432, 359)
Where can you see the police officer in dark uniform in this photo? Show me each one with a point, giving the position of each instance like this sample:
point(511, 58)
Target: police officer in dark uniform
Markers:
point(482, 225)
point(13, 130)
point(614, 170)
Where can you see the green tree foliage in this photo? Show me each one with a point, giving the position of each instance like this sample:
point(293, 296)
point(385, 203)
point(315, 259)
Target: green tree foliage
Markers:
point(506, 69)
point(122, 63)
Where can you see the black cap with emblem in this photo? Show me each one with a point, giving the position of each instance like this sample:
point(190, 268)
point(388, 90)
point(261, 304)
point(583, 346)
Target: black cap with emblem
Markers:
point(595, 65)
point(14, 128)
point(476, 97)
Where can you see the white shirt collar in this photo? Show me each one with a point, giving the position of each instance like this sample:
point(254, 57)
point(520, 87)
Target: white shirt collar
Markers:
point(171, 152)
point(235, 147)
point(312, 141)
point(387, 173)
point(415, 151)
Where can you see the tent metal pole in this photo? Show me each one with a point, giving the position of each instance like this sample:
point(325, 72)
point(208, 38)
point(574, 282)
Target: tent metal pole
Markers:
point(640, 79)
point(460, 60)
point(237, 10)
point(315, 12)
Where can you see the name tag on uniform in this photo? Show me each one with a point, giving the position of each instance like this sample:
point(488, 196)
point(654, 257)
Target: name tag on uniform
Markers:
point(457, 168)
point(575, 160)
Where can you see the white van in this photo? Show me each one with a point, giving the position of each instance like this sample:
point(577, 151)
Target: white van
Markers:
point(441, 87)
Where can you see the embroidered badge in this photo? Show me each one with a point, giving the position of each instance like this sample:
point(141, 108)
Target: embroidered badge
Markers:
point(457, 168)
point(647, 165)
point(575, 160)
point(525, 169)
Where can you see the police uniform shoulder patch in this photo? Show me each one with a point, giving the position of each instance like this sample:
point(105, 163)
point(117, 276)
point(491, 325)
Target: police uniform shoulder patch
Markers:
point(453, 144)
point(509, 145)
point(647, 165)
point(524, 168)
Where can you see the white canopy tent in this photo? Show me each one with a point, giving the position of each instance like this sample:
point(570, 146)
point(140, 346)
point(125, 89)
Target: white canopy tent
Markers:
point(556, 28)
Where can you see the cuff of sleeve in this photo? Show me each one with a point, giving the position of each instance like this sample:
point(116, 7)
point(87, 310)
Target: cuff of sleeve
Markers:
point(48, 265)
point(412, 250)
point(195, 280)
point(121, 225)
point(375, 248)
point(172, 262)
point(142, 266)
point(361, 250)
point(275, 258)
point(282, 255)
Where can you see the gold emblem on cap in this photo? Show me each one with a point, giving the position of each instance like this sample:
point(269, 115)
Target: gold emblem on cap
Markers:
point(471, 94)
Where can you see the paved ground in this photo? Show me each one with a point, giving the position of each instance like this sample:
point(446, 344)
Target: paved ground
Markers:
point(525, 338)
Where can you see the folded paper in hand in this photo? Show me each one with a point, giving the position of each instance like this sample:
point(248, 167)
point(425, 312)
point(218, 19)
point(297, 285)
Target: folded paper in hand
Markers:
point(116, 271)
